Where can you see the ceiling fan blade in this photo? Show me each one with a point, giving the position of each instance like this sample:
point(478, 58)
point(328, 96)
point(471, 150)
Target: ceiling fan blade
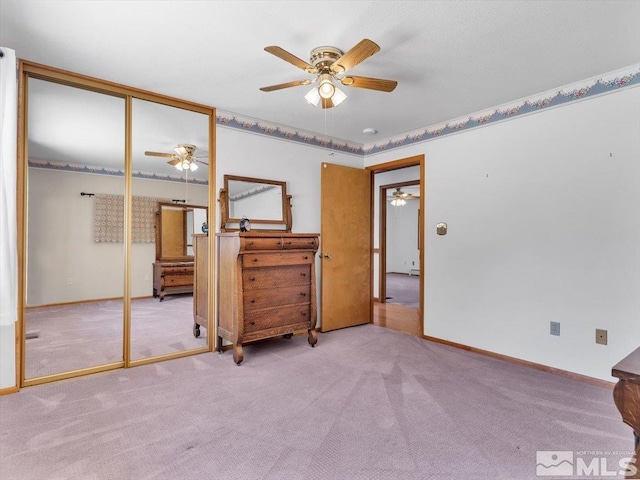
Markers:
point(353, 57)
point(292, 59)
point(285, 85)
point(175, 161)
point(370, 83)
point(158, 154)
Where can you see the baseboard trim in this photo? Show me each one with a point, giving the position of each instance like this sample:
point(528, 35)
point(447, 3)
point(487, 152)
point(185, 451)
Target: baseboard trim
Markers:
point(9, 390)
point(537, 366)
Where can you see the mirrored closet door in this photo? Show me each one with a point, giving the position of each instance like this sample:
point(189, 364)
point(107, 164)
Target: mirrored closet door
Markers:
point(170, 196)
point(74, 258)
point(113, 194)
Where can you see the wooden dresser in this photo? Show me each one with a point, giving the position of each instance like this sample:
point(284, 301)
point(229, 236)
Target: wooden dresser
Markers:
point(626, 396)
point(266, 287)
point(172, 277)
point(200, 283)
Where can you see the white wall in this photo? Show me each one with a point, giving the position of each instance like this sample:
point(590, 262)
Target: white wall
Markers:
point(544, 225)
point(7, 356)
point(402, 237)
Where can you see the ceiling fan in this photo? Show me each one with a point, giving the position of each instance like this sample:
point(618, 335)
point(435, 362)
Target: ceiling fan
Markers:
point(329, 64)
point(183, 159)
point(399, 198)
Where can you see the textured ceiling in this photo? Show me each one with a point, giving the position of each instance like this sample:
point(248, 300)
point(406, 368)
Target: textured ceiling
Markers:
point(450, 58)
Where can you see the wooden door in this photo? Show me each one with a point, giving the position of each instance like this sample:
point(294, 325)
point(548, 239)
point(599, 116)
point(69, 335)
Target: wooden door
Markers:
point(346, 246)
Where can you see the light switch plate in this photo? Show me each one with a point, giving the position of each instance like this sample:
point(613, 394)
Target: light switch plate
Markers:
point(601, 336)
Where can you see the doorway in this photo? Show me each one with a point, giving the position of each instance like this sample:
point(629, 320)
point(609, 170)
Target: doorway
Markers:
point(398, 257)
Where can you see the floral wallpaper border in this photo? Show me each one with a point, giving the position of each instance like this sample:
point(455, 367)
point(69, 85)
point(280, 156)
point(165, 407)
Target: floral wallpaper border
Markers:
point(607, 83)
point(603, 84)
point(68, 167)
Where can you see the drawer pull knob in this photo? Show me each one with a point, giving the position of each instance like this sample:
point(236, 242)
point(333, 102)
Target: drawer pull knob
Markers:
point(288, 243)
point(255, 259)
point(253, 279)
point(251, 242)
point(303, 274)
point(303, 294)
point(304, 314)
point(306, 257)
point(252, 323)
point(278, 242)
point(253, 300)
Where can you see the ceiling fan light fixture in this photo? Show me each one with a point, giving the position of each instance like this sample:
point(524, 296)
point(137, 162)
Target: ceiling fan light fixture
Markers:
point(338, 97)
point(326, 89)
point(193, 167)
point(313, 97)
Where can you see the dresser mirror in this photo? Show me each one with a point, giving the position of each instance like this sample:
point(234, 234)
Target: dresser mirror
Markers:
point(175, 226)
point(264, 202)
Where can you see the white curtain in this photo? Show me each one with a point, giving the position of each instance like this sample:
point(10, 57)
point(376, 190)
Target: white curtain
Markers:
point(8, 163)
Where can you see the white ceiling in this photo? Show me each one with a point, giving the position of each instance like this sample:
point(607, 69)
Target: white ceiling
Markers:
point(450, 58)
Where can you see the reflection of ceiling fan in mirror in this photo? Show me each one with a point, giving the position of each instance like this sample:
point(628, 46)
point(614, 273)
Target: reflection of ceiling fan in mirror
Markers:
point(183, 159)
point(329, 64)
point(399, 198)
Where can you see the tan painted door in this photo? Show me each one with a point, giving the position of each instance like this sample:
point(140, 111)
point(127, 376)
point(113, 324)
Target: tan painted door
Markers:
point(345, 238)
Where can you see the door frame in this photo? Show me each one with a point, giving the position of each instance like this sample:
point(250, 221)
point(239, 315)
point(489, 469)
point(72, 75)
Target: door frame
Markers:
point(415, 160)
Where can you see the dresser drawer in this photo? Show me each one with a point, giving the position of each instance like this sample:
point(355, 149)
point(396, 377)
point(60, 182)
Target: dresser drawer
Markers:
point(178, 280)
point(271, 297)
point(276, 317)
point(300, 243)
point(269, 243)
point(187, 270)
point(273, 259)
point(276, 277)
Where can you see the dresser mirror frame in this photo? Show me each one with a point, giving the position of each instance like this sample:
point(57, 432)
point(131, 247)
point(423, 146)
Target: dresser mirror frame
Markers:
point(182, 229)
point(279, 219)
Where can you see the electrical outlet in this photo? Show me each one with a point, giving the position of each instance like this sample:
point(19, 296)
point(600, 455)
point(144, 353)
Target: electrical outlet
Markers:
point(601, 336)
point(555, 329)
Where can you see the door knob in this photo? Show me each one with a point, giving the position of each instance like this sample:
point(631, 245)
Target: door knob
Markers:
point(325, 255)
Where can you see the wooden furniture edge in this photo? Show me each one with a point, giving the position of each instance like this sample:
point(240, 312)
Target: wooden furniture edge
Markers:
point(629, 367)
point(536, 366)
